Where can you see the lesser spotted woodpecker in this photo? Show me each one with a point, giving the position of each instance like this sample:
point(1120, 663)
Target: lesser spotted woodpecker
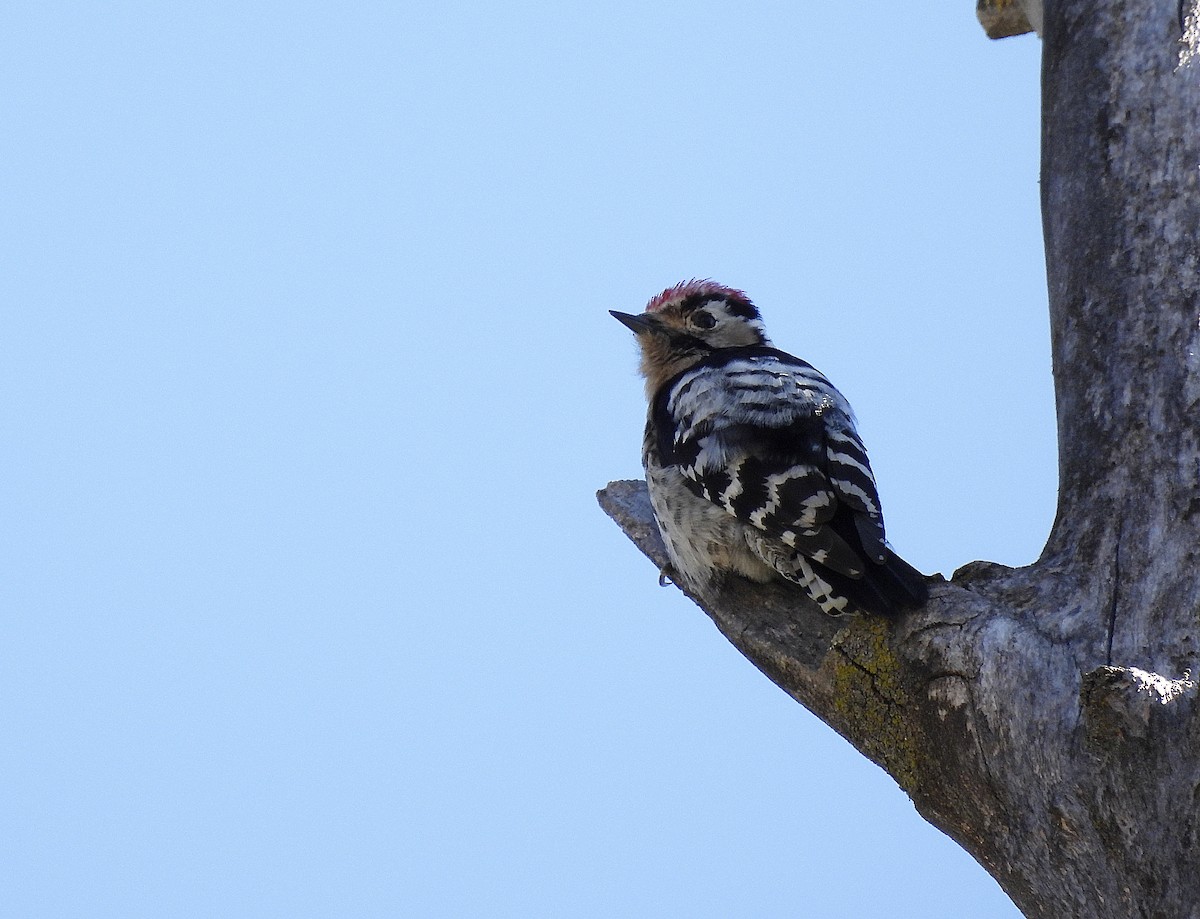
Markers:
point(753, 462)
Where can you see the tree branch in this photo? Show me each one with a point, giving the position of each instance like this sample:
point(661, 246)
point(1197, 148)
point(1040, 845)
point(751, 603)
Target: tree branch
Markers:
point(1045, 717)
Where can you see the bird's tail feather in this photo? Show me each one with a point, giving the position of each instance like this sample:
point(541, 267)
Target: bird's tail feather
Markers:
point(885, 589)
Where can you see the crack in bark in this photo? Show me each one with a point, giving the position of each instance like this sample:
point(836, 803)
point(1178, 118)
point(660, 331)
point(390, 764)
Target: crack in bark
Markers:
point(1116, 593)
point(989, 779)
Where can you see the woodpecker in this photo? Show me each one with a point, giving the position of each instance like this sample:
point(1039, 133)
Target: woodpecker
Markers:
point(753, 463)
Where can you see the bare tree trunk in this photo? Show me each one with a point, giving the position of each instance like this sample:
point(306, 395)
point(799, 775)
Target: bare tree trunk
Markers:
point(1045, 717)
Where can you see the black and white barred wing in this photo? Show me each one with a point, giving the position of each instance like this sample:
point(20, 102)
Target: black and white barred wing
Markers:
point(768, 438)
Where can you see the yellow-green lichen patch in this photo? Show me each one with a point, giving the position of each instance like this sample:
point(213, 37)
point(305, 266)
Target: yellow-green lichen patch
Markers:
point(872, 701)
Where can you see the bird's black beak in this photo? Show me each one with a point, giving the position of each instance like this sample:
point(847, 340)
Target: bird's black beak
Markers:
point(636, 324)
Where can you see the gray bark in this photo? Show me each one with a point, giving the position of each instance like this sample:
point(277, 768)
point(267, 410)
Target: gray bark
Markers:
point(1045, 717)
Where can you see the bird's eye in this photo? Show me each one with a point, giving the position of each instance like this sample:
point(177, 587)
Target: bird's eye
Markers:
point(702, 319)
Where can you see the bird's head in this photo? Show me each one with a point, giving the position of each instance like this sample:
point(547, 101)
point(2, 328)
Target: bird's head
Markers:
point(689, 321)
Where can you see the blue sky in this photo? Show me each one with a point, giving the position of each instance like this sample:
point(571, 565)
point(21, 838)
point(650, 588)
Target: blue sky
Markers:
point(309, 378)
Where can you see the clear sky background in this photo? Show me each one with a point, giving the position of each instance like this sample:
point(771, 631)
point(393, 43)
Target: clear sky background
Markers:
point(309, 381)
